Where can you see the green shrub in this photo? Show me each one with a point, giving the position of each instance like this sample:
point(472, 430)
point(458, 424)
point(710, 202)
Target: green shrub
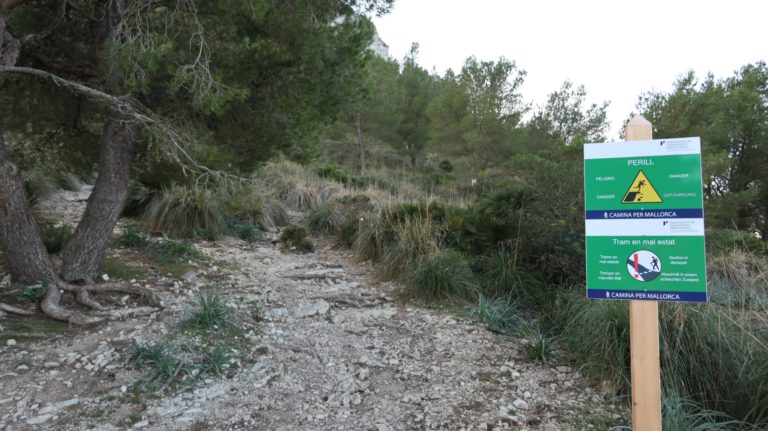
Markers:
point(246, 231)
point(173, 251)
point(400, 234)
point(327, 217)
point(185, 212)
point(716, 356)
point(55, 236)
point(441, 275)
point(712, 354)
point(684, 414)
point(501, 272)
point(499, 315)
point(33, 294)
point(337, 173)
point(738, 278)
point(596, 333)
point(295, 237)
point(728, 240)
point(134, 238)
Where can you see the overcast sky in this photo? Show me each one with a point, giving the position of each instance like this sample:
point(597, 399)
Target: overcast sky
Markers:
point(615, 48)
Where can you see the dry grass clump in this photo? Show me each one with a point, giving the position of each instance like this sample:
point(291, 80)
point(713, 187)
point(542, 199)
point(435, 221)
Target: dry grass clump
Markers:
point(298, 187)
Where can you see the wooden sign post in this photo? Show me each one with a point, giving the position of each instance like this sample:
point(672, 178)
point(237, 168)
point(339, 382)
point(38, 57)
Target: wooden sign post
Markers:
point(644, 242)
point(644, 333)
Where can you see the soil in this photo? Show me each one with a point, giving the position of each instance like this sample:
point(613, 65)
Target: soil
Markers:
point(336, 350)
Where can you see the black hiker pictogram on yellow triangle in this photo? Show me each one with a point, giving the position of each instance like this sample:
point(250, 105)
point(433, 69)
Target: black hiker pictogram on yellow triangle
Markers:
point(641, 191)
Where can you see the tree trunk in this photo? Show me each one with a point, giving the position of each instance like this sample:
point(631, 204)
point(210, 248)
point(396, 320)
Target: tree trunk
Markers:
point(83, 254)
point(23, 250)
point(359, 127)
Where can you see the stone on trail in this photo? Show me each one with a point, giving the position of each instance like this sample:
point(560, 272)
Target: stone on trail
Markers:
point(312, 309)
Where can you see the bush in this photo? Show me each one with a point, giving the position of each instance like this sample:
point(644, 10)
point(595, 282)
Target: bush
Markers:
point(402, 233)
point(185, 212)
point(337, 173)
point(134, 238)
point(173, 251)
point(272, 214)
point(715, 355)
point(33, 294)
point(499, 315)
point(442, 275)
point(596, 333)
point(55, 236)
point(684, 414)
point(295, 237)
point(327, 217)
point(738, 279)
point(712, 354)
point(728, 240)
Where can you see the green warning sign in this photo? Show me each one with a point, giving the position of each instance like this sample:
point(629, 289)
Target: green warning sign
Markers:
point(645, 221)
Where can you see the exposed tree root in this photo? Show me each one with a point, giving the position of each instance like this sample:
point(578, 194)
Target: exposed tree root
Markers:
point(51, 308)
point(128, 312)
point(50, 304)
point(15, 310)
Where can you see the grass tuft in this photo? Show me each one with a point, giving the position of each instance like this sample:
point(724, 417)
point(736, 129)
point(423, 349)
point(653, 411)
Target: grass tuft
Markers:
point(173, 251)
point(212, 313)
point(184, 212)
point(499, 315)
point(684, 414)
point(295, 237)
point(134, 238)
point(444, 274)
point(55, 236)
point(327, 217)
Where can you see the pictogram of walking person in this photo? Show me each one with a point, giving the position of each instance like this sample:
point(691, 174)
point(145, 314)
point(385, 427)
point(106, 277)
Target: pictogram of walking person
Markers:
point(654, 263)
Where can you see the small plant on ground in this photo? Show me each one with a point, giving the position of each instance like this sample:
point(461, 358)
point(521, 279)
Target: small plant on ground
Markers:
point(173, 251)
point(55, 236)
point(134, 238)
point(256, 311)
point(211, 313)
point(33, 294)
point(499, 315)
point(295, 237)
point(538, 345)
point(248, 232)
point(216, 362)
point(163, 364)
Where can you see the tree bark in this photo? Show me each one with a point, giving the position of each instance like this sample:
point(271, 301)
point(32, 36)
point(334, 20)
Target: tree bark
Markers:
point(360, 144)
point(83, 254)
point(23, 250)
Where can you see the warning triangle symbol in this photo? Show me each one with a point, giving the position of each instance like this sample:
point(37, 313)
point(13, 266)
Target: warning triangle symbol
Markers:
point(641, 191)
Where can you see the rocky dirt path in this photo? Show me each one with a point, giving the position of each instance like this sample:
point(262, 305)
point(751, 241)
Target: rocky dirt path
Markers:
point(335, 352)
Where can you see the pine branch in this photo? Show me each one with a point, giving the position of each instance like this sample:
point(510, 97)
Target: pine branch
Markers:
point(130, 108)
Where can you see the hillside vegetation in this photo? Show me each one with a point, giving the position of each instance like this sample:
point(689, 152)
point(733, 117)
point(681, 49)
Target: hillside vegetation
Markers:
point(240, 118)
